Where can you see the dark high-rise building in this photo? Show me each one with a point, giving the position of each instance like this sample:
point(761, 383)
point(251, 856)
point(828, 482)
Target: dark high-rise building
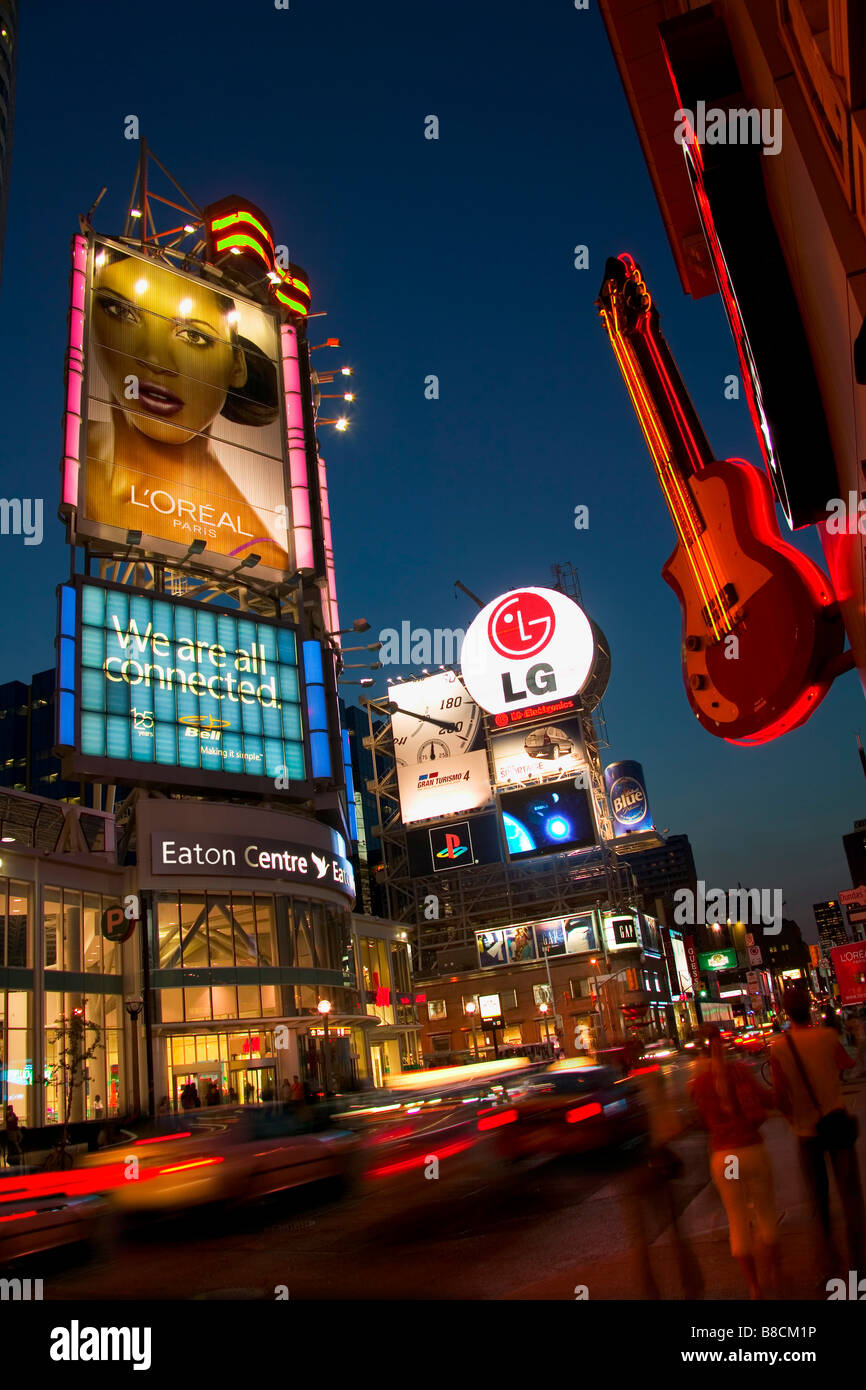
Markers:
point(855, 853)
point(8, 37)
point(27, 759)
point(368, 847)
point(830, 924)
point(787, 950)
point(659, 872)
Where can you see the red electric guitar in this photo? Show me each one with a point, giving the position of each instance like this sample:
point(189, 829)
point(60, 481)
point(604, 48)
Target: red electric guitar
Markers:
point(762, 634)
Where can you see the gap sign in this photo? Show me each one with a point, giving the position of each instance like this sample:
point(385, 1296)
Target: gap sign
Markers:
point(527, 645)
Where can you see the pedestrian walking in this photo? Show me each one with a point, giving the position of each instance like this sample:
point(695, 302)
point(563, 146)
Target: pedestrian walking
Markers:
point(213, 1094)
point(297, 1091)
point(14, 1139)
point(648, 1192)
point(733, 1106)
point(807, 1064)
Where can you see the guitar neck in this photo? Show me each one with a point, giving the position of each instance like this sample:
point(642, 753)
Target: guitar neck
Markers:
point(673, 432)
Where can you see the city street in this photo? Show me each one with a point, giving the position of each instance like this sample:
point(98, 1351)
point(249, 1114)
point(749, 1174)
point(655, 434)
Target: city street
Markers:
point(537, 1237)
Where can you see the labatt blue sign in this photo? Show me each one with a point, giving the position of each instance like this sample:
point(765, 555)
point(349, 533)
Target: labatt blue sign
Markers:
point(626, 791)
point(179, 684)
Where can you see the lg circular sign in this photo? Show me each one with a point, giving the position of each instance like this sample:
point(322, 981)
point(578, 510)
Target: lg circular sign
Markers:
point(527, 646)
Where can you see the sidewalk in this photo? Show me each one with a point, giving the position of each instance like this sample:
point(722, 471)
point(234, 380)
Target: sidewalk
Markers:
point(702, 1222)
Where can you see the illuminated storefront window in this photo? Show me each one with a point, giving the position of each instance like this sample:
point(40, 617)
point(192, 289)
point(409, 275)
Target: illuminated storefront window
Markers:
point(92, 1090)
point(230, 943)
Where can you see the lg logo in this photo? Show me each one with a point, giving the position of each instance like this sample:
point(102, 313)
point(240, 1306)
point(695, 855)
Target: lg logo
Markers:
point(524, 646)
point(521, 624)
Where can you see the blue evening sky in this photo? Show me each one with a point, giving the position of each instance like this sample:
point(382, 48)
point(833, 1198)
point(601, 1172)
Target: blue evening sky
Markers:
point(452, 257)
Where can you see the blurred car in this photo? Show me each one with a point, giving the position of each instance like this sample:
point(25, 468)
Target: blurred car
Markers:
point(226, 1154)
point(574, 1107)
point(749, 1040)
point(660, 1049)
point(452, 1115)
point(41, 1211)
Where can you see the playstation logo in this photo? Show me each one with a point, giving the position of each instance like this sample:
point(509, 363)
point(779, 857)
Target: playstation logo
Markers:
point(448, 846)
point(453, 848)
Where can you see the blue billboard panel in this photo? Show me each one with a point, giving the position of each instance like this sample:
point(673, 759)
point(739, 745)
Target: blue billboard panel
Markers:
point(548, 819)
point(629, 803)
point(183, 691)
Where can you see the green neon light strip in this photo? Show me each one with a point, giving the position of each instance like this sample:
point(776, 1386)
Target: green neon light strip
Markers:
point(292, 303)
point(298, 284)
point(238, 239)
point(232, 217)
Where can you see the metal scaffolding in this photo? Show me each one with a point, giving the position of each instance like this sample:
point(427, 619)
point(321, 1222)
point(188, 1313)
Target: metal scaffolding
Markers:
point(446, 909)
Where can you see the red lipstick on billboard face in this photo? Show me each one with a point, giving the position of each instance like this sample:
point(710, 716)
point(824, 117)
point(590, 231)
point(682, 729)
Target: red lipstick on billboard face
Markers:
point(157, 400)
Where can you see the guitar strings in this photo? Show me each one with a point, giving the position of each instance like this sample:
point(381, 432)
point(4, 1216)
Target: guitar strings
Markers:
point(662, 454)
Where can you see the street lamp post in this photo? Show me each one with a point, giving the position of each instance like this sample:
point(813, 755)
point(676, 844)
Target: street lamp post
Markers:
point(543, 1010)
point(134, 1005)
point(594, 963)
point(471, 1008)
point(324, 1008)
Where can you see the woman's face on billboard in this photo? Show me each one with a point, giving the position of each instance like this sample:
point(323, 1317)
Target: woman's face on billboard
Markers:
point(164, 346)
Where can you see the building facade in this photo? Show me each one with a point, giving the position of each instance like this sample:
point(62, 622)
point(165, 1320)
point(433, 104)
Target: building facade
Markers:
point(195, 961)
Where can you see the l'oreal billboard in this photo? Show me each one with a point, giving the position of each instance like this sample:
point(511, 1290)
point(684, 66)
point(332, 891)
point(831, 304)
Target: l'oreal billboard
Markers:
point(849, 963)
point(629, 804)
point(176, 417)
point(159, 689)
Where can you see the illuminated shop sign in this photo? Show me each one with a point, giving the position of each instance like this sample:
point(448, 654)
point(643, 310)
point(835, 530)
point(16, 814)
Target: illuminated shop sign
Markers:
point(253, 857)
point(684, 983)
point(527, 646)
point(717, 960)
point(506, 718)
point(621, 930)
point(490, 1009)
point(157, 689)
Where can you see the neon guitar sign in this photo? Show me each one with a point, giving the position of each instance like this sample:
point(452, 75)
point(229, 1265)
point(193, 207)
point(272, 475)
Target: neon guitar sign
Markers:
point(762, 636)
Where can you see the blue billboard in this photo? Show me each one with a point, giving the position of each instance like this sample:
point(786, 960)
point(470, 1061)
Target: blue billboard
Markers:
point(160, 689)
point(626, 792)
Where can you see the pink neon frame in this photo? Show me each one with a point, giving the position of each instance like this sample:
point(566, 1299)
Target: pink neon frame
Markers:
point(333, 615)
point(302, 526)
point(74, 376)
